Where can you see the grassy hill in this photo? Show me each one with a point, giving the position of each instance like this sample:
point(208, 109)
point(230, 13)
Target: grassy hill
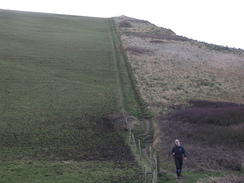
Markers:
point(172, 69)
point(64, 79)
point(58, 78)
point(194, 92)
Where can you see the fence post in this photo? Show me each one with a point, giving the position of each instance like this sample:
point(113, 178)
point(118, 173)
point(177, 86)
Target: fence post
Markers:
point(139, 147)
point(145, 174)
point(158, 164)
point(156, 169)
point(153, 176)
point(126, 121)
point(130, 136)
point(133, 139)
point(150, 149)
point(152, 166)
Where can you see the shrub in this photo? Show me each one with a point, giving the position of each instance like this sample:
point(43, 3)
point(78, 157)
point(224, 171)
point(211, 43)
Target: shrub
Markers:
point(157, 41)
point(208, 147)
point(162, 36)
point(220, 135)
point(125, 24)
point(136, 50)
point(217, 47)
point(217, 104)
point(207, 112)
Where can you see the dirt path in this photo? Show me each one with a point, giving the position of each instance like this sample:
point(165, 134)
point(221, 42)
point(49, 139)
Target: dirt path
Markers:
point(147, 128)
point(145, 154)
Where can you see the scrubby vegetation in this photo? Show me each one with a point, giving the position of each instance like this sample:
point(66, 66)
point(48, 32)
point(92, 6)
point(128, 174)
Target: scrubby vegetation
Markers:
point(162, 36)
point(222, 121)
point(227, 179)
point(213, 131)
point(178, 70)
point(125, 24)
point(138, 50)
point(207, 112)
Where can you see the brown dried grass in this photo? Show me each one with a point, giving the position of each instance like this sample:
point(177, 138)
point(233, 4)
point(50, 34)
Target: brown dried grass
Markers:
point(226, 179)
point(180, 70)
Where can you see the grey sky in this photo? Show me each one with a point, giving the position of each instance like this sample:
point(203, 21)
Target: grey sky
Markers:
point(213, 21)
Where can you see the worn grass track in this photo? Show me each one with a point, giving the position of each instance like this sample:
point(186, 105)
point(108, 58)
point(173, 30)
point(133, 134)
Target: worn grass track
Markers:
point(57, 80)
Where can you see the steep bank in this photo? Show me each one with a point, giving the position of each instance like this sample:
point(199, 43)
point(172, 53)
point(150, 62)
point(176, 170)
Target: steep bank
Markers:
point(170, 70)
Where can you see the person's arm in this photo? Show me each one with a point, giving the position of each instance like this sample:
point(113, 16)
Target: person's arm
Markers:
point(184, 153)
point(173, 151)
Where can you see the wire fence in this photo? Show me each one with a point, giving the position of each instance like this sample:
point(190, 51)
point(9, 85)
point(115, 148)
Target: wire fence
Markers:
point(149, 174)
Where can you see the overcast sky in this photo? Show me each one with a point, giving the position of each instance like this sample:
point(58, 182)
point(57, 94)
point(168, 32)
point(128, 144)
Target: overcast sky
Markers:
point(213, 21)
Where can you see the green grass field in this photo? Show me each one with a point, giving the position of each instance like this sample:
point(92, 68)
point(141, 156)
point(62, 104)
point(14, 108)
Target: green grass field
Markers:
point(57, 80)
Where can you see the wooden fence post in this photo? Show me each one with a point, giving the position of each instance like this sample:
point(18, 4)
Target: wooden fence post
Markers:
point(139, 147)
point(130, 136)
point(145, 174)
point(156, 169)
point(126, 121)
point(158, 165)
point(150, 151)
point(152, 167)
point(133, 139)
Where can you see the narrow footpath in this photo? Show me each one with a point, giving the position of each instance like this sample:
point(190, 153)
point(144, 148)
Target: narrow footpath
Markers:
point(145, 154)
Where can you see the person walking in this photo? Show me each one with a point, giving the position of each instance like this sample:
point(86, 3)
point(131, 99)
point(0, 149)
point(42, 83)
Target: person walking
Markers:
point(178, 152)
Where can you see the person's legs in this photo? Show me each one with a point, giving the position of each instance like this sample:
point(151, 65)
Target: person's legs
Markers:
point(180, 166)
point(177, 164)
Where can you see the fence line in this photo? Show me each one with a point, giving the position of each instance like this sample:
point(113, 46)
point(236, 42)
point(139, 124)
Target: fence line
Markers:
point(118, 49)
point(151, 175)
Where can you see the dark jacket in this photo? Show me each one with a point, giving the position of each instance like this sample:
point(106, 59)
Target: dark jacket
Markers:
point(179, 152)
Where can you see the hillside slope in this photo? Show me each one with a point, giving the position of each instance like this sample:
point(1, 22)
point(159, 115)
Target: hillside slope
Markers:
point(57, 82)
point(170, 71)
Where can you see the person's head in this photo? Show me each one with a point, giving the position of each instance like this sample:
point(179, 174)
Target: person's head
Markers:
point(177, 142)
